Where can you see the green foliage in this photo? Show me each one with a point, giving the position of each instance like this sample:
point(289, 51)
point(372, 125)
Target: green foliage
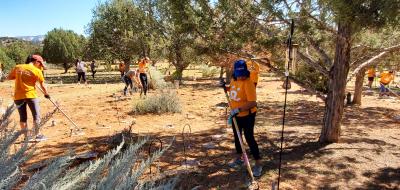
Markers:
point(313, 78)
point(117, 30)
point(19, 50)
point(120, 168)
point(7, 62)
point(63, 46)
point(162, 102)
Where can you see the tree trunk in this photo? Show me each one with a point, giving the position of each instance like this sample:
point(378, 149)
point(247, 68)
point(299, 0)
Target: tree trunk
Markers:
point(330, 132)
point(221, 73)
point(228, 74)
point(358, 87)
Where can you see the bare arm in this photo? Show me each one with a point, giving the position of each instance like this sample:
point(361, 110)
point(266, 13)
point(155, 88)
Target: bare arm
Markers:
point(43, 87)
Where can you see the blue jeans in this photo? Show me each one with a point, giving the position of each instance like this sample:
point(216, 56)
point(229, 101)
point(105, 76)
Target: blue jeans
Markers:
point(382, 88)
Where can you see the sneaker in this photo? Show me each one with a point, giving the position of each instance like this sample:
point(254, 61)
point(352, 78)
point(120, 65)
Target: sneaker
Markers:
point(236, 163)
point(40, 138)
point(257, 169)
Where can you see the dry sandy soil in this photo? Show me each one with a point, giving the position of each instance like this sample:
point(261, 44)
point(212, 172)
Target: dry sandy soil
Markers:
point(368, 156)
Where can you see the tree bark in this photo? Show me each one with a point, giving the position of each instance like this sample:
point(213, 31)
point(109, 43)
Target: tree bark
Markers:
point(221, 73)
point(330, 132)
point(358, 87)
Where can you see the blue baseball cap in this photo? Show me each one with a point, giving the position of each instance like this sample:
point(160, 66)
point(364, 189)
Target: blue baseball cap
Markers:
point(240, 69)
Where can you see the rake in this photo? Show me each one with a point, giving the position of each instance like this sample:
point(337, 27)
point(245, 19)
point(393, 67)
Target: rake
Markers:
point(78, 131)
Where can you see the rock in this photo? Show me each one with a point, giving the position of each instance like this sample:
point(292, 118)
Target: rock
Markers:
point(209, 145)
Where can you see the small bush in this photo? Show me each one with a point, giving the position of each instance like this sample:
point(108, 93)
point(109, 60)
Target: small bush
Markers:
point(163, 102)
point(157, 79)
point(207, 71)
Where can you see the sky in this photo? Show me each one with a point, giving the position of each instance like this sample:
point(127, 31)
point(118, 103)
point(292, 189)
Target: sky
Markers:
point(37, 17)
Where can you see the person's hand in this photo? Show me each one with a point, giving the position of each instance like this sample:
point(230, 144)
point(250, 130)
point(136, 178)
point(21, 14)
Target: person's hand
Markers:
point(47, 96)
point(234, 112)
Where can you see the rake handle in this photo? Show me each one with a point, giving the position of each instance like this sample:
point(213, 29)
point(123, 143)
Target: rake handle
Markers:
point(76, 126)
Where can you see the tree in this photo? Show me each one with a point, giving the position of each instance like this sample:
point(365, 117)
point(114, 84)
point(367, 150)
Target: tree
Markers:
point(374, 47)
point(117, 30)
point(341, 20)
point(63, 46)
point(176, 21)
point(19, 50)
point(5, 62)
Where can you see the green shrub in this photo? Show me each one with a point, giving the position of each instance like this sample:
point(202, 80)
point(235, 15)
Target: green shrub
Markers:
point(6, 61)
point(162, 102)
point(312, 77)
point(207, 71)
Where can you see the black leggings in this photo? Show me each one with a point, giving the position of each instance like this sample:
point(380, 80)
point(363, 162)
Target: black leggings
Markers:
point(128, 83)
point(83, 75)
point(246, 124)
point(143, 80)
point(33, 104)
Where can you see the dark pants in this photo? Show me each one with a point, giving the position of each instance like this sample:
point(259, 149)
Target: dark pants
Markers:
point(246, 124)
point(83, 75)
point(143, 80)
point(33, 104)
point(128, 83)
point(93, 72)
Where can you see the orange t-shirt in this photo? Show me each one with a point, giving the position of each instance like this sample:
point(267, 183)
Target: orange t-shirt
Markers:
point(386, 78)
point(142, 66)
point(240, 93)
point(254, 69)
point(26, 76)
point(371, 72)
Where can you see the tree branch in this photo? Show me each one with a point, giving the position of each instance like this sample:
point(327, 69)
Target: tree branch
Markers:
point(307, 87)
point(313, 64)
point(371, 61)
point(320, 51)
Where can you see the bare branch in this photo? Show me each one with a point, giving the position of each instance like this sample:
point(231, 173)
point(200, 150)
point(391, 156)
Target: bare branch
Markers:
point(313, 64)
point(320, 51)
point(307, 87)
point(371, 61)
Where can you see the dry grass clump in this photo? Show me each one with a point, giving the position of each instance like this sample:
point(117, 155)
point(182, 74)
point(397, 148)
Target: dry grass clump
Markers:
point(162, 102)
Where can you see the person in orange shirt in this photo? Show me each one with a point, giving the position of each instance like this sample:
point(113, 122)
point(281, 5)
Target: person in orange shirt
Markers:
point(143, 67)
point(386, 78)
point(371, 75)
point(254, 69)
point(26, 76)
point(242, 92)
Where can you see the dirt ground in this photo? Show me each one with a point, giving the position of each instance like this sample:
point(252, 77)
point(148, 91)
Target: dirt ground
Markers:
point(368, 156)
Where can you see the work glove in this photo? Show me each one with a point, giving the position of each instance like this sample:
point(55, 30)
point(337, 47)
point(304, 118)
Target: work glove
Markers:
point(234, 112)
point(229, 121)
point(47, 96)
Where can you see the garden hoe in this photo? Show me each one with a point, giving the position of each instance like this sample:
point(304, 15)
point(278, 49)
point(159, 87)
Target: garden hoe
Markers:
point(253, 185)
point(78, 131)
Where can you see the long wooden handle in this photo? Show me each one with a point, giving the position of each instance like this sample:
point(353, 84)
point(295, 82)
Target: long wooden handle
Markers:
point(76, 126)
